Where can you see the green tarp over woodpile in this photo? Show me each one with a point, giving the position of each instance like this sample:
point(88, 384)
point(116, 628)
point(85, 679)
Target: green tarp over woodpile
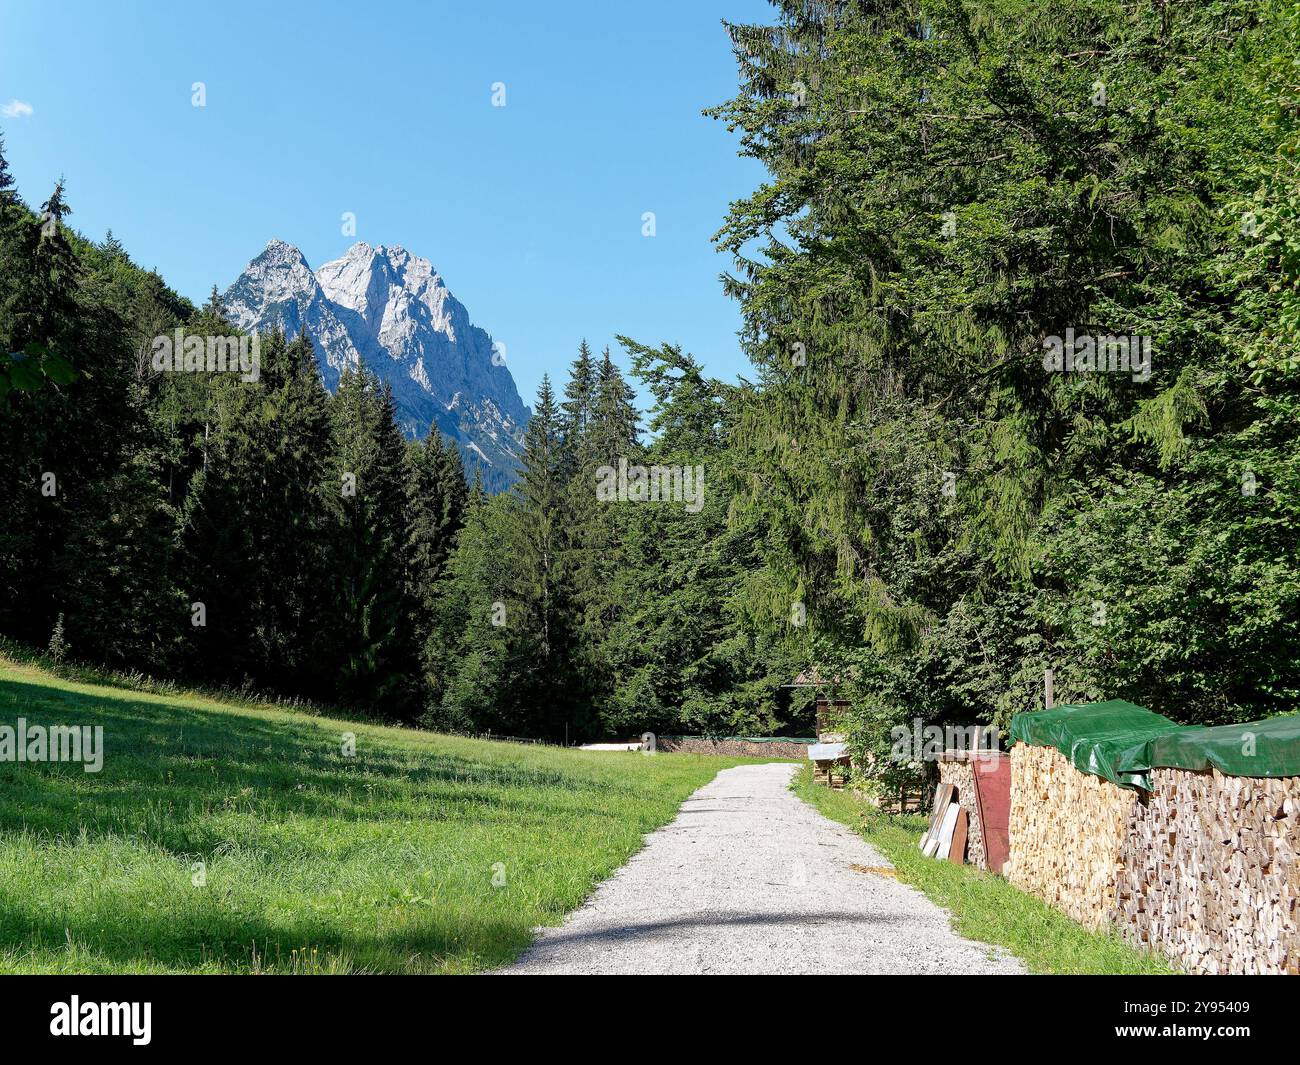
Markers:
point(1123, 742)
point(1110, 739)
point(1269, 748)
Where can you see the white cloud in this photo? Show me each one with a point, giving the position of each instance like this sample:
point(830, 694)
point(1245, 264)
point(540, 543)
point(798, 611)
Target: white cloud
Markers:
point(17, 109)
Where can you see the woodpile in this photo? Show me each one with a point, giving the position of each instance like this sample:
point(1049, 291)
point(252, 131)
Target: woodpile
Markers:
point(1210, 874)
point(1067, 832)
point(956, 768)
point(1204, 869)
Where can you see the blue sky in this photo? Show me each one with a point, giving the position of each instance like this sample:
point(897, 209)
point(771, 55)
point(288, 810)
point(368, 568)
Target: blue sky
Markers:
point(532, 212)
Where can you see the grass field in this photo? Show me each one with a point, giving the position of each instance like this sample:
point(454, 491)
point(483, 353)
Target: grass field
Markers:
point(314, 862)
point(984, 907)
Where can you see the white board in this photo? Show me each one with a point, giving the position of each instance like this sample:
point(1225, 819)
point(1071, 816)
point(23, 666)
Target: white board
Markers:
point(933, 826)
point(949, 826)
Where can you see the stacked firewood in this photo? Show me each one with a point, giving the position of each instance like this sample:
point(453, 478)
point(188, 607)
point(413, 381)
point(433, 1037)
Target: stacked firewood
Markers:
point(956, 768)
point(1067, 830)
point(1211, 873)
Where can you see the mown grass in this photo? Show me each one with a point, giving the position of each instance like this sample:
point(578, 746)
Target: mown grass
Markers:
point(314, 862)
point(984, 907)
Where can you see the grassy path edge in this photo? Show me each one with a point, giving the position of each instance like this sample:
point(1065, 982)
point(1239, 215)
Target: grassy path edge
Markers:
point(983, 906)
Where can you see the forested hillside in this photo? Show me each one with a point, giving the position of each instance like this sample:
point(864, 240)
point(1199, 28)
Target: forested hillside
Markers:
point(1020, 292)
point(265, 535)
point(255, 533)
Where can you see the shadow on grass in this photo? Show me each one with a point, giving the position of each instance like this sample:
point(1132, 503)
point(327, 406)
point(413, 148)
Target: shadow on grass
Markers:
point(188, 760)
point(124, 940)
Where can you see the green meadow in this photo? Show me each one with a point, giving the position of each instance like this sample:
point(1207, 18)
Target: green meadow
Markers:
point(222, 837)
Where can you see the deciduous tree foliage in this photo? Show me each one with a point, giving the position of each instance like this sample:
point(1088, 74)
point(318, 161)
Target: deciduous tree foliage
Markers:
point(951, 184)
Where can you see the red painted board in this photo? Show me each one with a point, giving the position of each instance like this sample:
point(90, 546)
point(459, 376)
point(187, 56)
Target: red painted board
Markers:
point(993, 793)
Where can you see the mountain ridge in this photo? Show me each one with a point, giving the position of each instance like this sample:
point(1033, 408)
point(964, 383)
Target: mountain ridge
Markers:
point(390, 310)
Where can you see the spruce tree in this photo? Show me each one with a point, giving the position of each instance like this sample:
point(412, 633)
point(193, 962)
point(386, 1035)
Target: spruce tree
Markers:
point(579, 406)
point(216, 310)
point(477, 493)
point(600, 525)
point(539, 493)
point(481, 659)
point(112, 247)
point(424, 546)
point(538, 542)
point(49, 437)
point(257, 519)
point(614, 433)
point(436, 499)
point(453, 493)
point(44, 310)
point(372, 640)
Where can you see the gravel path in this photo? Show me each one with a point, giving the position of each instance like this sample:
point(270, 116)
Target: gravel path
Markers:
point(750, 879)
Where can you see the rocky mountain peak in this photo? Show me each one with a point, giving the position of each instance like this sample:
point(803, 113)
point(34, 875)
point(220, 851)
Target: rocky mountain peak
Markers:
point(390, 310)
